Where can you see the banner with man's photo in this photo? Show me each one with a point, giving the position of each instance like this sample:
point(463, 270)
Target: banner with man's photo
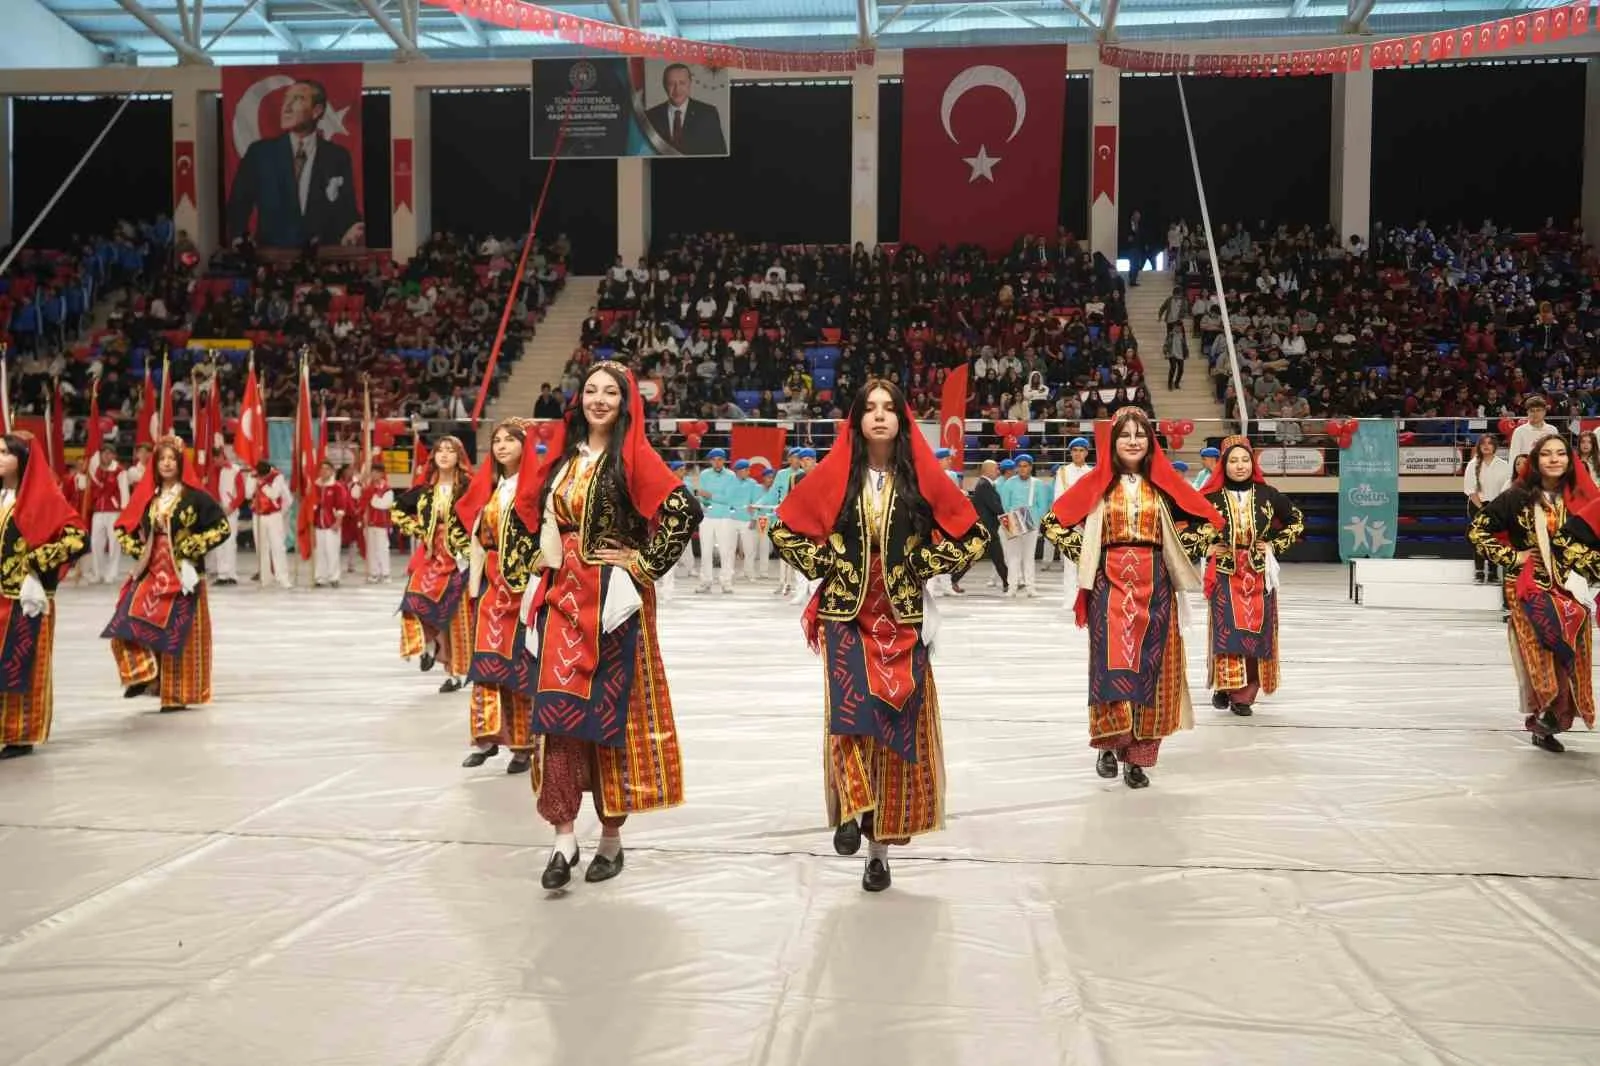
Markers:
point(292, 155)
point(615, 107)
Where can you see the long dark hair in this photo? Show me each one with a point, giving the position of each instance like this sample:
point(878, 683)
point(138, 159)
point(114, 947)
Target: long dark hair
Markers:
point(1531, 483)
point(615, 483)
point(1118, 421)
point(458, 475)
point(512, 427)
point(901, 465)
point(20, 447)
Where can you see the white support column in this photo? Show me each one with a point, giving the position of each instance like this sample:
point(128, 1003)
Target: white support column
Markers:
point(864, 156)
point(1105, 153)
point(633, 209)
point(195, 160)
point(1590, 201)
point(5, 171)
point(410, 168)
point(1350, 186)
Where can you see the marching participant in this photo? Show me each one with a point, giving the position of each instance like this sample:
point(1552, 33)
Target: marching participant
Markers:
point(333, 503)
point(434, 622)
point(782, 482)
point(377, 499)
point(224, 561)
point(612, 518)
point(1210, 459)
point(269, 499)
point(40, 535)
point(108, 495)
point(161, 630)
point(1259, 523)
point(1025, 499)
point(872, 524)
point(719, 533)
point(747, 493)
point(944, 584)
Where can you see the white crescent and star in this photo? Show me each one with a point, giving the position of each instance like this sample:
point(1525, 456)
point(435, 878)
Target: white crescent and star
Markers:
point(1000, 78)
point(247, 115)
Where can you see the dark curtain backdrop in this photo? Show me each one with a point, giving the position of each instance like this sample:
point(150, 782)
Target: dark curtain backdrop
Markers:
point(787, 179)
point(1473, 142)
point(377, 184)
point(1074, 213)
point(128, 177)
point(484, 182)
point(1265, 147)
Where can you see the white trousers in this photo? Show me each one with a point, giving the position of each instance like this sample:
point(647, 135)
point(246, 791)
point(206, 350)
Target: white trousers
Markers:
point(1019, 558)
point(272, 553)
point(224, 558)
point(753, 546)
point(378, 552)
point(325, 556)
point(103, 547)
point(721, 537)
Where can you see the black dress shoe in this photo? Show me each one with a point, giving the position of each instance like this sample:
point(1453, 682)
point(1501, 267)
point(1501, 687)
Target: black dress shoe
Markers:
point(427, 661)
point(558, 871)
point(136, 689)
point(847, 838)
point(1106, 764)
point(1243, 710)
point(520, 763)
point(479, 756)
point(451, 684)
point(875, 878)
point(1219, 700)
point(1135, 777)
point(602, 868)
point(169, 708)
point(1548, 743)
point(15, 751)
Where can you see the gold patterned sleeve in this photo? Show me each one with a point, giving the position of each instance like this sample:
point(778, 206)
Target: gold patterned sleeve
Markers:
point(59, 552)
point(199, 526)
point(1293, 527)
point(814, 560)
point(458, 537)
point(132, 544)
point(951, 555)
point(1484, 532)
point(1196, 540)
point(1070, 541)
point(407, 512)
point(519, 555)
point(675, 524)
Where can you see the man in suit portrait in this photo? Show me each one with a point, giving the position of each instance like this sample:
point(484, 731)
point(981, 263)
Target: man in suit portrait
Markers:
point(300, 186)
point(691, 126)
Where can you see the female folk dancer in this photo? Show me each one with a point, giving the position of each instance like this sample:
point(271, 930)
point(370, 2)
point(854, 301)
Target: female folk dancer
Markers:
point(612, 520)
point(434, 622)
point(1241, 583)
point(41, 535)
point(874, 523)
point(1525, 531)
point(1133, 567)
point(503, 553)
point(161, 630)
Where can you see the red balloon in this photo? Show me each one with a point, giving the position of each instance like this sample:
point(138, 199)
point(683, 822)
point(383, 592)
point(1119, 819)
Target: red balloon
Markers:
point(1334, 427)
point(1508, 426)
point(1166, 427)
point(1406, 437)
point(1345, 439)
point(1185, 428)
point(545, 430)
point(1010, 441)
point(693, 440)
point(1175, 442)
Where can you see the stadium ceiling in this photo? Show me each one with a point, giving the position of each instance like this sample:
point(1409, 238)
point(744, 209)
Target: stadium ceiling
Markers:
point(157, 32)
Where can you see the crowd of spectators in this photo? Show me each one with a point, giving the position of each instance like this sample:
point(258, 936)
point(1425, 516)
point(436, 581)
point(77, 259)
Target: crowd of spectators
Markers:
point(731, 329)
point(421, 333)
point(1423, 323)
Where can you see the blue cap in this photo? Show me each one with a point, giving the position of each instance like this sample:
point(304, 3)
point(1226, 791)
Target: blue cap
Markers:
point(540, 448)
point(1025, 458)
point(941, 453)
point(1180, 466)
point(1078, 442)
point(808, 453)
point(717, 453)
point(1007, 464)
point(1210, 453)
point(676, 464)
point(741, 464)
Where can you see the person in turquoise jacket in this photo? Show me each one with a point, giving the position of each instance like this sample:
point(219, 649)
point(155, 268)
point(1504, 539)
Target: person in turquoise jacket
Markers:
point(767, 506)
point(747, 494)
point(1032, 495)
point(723, 501)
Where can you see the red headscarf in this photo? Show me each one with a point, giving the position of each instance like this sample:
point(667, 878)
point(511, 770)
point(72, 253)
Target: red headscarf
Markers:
point(650, 480)
point(1219, 476)
point(473, 501)
point(41, 512)
point(139, 500)
point(1074, 505)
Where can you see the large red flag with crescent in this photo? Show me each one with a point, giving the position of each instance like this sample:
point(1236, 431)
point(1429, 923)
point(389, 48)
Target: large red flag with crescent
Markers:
point(292, 153)
point(981, 144)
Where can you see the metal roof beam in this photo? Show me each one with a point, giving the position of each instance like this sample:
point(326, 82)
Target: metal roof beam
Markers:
point(866, 19)
point(238, 16)
point(669, 17)
point(281, 34)
point(1357, 20)
point(1085, 19)
point(474, 31)
point(1108, 20)
point(407, 49)
point(187, 53)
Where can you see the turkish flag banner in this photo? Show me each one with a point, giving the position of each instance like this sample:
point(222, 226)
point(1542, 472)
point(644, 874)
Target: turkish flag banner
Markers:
point(953, 412)
point(292, 157)
point(1558, 24)
point(1103, 176)
point(1579, 17)
point(183, 190)
point(402, 173)
point(1539, 28)
point(981, 144)
point(759, 444)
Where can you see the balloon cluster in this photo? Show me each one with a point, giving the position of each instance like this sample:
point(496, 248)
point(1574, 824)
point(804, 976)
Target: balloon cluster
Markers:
point(1342, 430)
point(1175, 430)
point(694, 432)
point(1508, 426)
point(1013, 434)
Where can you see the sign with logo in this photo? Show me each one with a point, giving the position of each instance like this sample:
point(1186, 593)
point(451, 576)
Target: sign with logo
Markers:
point(609, 108)
point(1435, 460)
point(1369, 491)
point(1291, 462)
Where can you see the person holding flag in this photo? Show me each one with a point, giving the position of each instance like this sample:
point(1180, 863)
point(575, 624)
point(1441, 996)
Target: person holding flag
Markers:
point(270, 498)
point(376, 501)
point(1026, 499)
point(229, 478)
point(41, 534)
point(747, 492)
point(435, 622)
point(330, 501)
point(161, 629)
point(108, 495)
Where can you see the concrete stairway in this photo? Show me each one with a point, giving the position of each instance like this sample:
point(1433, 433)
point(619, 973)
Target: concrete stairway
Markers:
point(543, 357)
point(1195, 399)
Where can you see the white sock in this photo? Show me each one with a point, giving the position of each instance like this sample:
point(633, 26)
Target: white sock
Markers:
point(610, 847)
point(566, 844)
point(875, 850)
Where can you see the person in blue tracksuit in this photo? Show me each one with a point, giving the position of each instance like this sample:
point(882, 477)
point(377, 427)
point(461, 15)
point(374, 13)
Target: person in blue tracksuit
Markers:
point(1209, 458)
point(782, 481)
point(723, 502)
point(1024, 492)
point(748, 493)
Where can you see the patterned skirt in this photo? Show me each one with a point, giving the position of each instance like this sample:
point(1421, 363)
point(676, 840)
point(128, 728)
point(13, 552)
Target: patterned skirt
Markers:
point(1243, 626)
point(1136, 658)
point(158, 631)
point(26, 677)
point(1552, 651)
point(434, 608)
point(500, 710)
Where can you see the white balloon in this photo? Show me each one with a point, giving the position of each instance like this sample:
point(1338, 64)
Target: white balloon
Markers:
point(972, 78)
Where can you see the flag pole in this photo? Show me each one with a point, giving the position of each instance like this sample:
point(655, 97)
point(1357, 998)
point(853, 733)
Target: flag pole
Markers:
point(298, 474)
point(5, 388)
